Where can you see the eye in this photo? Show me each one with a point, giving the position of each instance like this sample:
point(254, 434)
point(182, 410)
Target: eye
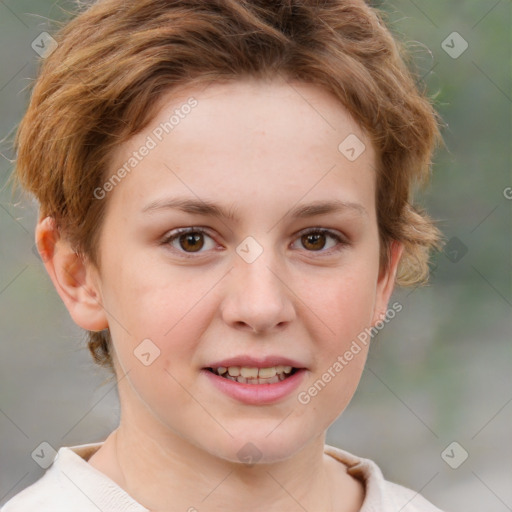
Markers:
point(315, 240)
point(190, 240)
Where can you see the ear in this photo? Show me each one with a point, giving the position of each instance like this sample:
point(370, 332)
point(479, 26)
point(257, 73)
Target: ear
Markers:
point(386, 282)
point(76, 281)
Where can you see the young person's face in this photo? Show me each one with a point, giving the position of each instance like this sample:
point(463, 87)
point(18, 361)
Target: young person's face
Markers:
point(251, 286)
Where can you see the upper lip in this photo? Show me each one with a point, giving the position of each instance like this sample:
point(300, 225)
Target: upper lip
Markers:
point(256, 362)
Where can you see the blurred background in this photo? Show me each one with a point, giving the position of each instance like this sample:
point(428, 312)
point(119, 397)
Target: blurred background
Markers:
point(434, 407)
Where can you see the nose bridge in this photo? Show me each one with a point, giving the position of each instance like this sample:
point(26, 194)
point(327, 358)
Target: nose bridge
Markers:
point(260, 278)
point(258, 297)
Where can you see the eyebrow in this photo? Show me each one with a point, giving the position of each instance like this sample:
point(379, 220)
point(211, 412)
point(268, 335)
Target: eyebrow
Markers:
point(204, 207)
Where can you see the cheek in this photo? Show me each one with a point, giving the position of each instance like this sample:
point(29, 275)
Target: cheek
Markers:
point(147, 298)
point(344, 306)
point(161, 305)
point(340, 362)
point(352, 307)
point(343, 301)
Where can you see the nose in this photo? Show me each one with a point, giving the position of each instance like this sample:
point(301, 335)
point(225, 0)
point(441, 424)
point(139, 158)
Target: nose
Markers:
point(258, 298)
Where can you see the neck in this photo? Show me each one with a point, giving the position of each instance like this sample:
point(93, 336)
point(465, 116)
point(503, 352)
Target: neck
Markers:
point(175, 475)
point(184, 476)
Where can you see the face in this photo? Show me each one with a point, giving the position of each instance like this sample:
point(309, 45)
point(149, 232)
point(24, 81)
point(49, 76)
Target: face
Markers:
point(242, 237)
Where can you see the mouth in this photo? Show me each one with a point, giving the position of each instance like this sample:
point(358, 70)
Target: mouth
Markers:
point(256, 380)
point(254, 375)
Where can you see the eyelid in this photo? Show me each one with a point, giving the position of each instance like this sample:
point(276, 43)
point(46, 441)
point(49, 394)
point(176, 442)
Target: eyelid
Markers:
point(176, 233)
point(342, 239)
point(331, 232)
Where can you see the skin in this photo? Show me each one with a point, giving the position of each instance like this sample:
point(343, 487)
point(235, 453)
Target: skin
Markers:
point(262, 149)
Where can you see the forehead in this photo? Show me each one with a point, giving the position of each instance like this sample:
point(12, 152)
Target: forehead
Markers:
point(249, 139)
point(283, 109)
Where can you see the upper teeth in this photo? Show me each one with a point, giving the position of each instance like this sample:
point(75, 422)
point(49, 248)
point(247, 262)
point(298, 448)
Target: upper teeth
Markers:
point(248, 373)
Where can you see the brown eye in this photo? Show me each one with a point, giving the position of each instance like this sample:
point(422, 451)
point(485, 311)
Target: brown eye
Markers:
point(189, 241)
point(314, 241)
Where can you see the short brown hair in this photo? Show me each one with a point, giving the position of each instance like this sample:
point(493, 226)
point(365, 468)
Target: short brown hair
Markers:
point(115, 59)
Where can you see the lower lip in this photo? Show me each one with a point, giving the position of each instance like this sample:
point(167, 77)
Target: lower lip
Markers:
point(256, 394)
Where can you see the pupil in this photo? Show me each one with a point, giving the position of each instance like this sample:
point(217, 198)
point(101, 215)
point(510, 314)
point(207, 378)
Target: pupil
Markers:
point(315, 237)
point(192, 239)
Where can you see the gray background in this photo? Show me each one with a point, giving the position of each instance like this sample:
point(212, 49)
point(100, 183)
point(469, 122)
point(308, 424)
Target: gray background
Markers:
point(439, 372)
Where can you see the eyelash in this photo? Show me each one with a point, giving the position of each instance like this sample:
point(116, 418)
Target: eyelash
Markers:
point(342, 242)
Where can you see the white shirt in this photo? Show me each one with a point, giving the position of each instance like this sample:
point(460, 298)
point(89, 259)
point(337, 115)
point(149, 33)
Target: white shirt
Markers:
point(73, 485)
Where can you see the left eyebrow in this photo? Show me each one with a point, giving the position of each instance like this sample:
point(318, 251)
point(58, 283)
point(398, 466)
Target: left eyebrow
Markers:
point(199, 207)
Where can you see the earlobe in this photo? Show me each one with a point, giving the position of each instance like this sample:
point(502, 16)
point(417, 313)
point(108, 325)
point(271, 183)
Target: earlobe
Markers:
point(386, 283)
point(76, 281)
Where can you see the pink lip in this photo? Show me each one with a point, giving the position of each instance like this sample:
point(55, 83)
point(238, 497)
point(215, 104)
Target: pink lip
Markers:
point(255, 362)
point(256, 394)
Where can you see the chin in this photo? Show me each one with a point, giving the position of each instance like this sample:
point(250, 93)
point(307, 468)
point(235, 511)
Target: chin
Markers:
point(257, 446)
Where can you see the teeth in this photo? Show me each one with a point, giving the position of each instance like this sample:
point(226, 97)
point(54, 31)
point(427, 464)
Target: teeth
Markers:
point(249, 375)
point(234, 371)
point(267, 373)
